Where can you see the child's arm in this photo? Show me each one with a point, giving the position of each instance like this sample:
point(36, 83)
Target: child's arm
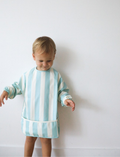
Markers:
point(10, 92)
point(63, 94)
point(13, 90)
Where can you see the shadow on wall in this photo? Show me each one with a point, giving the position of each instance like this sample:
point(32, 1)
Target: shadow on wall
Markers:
point(66, 59)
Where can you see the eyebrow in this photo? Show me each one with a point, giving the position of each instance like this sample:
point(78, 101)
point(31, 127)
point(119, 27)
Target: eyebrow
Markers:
point(47, 60)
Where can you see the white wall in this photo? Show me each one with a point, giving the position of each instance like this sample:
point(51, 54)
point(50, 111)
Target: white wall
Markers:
point(87, 35)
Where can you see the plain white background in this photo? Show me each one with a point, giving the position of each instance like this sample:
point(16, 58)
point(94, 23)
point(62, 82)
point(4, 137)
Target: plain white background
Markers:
point(87, 36)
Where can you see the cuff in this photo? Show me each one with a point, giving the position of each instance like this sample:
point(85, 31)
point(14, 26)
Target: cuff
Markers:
point(6, 89)
point(67, 97)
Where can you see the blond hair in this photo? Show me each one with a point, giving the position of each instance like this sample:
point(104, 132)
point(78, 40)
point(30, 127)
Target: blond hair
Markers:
point(44, 44)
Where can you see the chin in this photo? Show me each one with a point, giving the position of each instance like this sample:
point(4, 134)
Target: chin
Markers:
point(46, 68)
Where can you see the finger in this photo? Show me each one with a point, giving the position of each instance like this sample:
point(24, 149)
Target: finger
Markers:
point(0, 103)
point(73, 108)
point(6, 97)
point(66, 102)
point(71, 104)
point(2, 100)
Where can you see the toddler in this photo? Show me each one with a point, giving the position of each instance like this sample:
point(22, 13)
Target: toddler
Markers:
point(42, 88)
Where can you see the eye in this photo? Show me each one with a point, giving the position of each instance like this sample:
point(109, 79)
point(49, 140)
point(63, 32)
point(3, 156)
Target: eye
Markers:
point(49, 61)
point(40, 61)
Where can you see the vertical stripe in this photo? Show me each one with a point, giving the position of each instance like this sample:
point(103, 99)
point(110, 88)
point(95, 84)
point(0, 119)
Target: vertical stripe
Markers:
point(27, 128)
point(23, 89)
point(49, 129)
point(59, 79)
point(26, 96)
point(39, 126)
point(55, 101)
point(46, 96)
point(44, 130)
point(61, 85)
point(35, 127)
point(32, 108)
point(42, 92)
point(24, 110)
point(29, 89)
point(51, 94)
point(37, 96)
point(54, 129)
point(31, 128)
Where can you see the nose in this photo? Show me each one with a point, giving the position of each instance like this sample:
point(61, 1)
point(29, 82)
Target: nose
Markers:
point(44, 64)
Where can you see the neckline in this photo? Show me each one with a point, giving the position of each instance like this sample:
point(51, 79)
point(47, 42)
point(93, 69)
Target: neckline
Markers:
point(41, 70)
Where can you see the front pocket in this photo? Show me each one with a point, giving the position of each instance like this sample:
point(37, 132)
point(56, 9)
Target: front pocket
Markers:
point(45, 129)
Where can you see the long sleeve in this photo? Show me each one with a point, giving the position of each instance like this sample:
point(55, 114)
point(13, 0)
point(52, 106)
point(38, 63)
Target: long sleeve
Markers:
point(63, 91)
point(17, 88)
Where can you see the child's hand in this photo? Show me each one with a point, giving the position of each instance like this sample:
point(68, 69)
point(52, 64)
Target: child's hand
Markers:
point(3, 95)
point(70, 103)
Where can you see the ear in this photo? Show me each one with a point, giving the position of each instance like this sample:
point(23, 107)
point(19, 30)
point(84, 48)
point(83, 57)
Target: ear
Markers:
point(33, 56)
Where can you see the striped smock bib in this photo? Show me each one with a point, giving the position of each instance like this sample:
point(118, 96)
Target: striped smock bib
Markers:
point(41, 90)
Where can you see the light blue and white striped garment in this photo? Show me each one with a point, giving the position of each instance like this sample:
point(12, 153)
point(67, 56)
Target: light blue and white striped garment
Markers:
point(41, 90)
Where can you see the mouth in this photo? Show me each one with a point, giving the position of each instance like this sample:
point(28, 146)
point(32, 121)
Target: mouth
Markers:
point(45, 67)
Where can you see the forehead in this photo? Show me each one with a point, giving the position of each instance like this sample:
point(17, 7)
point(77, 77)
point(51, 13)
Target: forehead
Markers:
point(44, 56)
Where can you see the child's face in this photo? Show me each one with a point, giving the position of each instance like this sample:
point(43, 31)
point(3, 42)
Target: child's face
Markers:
point(44, 61)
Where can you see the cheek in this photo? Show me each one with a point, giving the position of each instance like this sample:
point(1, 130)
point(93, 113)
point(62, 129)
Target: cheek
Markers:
point(50, 63)
point(39, 63)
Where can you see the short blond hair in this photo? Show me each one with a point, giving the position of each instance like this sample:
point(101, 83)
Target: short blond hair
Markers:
point(44, 44)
